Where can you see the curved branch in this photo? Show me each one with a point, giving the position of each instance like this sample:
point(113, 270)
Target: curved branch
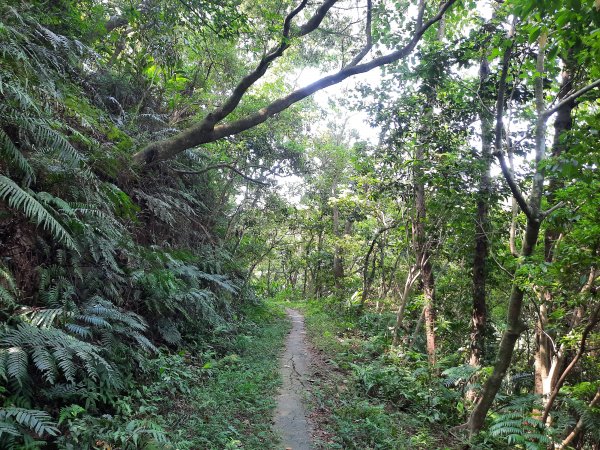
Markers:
point(580, 423)
point(249, 80)
point(369, 37)
point(594, 319)
point(506, 170)
point(514, 187)
point(571, 98)
point(206, 131)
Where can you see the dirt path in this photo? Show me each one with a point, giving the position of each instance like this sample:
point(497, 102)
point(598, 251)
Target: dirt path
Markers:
point(290, 415)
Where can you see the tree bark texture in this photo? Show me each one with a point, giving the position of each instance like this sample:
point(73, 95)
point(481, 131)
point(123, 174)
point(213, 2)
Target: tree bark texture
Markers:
point(479, 313)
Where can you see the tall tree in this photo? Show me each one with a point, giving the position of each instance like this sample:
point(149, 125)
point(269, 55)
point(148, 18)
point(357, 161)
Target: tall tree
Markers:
point(531, 207)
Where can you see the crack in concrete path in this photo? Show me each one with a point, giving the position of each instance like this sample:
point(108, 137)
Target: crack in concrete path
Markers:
point(290, 415)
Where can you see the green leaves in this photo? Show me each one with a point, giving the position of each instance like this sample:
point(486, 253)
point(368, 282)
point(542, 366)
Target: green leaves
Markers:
point(52, 352)
point(517, 426)
point(38, 422)
point(26, 203)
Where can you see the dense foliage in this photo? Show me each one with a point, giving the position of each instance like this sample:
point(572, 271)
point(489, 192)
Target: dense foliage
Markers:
point(105, 271)
point(455, 261)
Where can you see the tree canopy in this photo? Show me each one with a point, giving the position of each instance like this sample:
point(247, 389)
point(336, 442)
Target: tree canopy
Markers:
point(166, 172)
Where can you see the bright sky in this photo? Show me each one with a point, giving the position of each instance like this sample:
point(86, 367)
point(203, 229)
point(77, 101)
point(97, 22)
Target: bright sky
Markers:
point(357, 120)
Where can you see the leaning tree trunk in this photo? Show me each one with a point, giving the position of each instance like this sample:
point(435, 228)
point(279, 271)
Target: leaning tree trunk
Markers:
point(548, 363)
point(532, 209)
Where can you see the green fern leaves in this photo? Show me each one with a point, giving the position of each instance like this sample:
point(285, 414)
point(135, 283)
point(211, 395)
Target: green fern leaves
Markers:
point(518, 427)
point(39, 422)
point(26, 203)
point(10, 151)
point(54, 353)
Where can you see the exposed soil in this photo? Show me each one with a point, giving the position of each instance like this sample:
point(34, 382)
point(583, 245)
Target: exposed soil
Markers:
point(290, 416)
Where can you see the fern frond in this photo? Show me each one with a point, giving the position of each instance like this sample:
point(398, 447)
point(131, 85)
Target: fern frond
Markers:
point(68, 353)
point(45, 363)
point(25, 202)
point(8, 428)
point(37, 421)
point(16, 364)
point(7, 298)
point(11, 153)
point(168, 331)
point(78, 330)
point(42, 318)
point(144, 341)
point(8, 279)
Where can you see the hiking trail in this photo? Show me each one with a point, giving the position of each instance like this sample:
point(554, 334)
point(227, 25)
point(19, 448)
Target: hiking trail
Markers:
point(290, 415)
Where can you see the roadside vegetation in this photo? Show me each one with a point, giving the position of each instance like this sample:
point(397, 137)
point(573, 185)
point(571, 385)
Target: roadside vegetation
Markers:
point(164, 170)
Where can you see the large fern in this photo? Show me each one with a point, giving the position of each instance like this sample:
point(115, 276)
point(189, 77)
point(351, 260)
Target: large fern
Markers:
point(54, 353)
point(13, 421)
point(519, 427)
point(26, 203)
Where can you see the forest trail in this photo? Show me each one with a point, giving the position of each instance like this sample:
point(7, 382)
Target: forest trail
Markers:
point(290, 415)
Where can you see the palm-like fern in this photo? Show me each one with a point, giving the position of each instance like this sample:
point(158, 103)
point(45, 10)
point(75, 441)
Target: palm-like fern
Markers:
point(516, 424)
point(13, 420)
point(54, 353)
point(26, 203)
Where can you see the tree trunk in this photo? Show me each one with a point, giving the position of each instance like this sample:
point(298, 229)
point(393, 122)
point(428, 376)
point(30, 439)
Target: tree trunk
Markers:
point(549, 364)
point(423, 254)
point(411, 277)
point(338, 262)
point(419, 233)
point(306, 267)
point(317, 271)
point(269, 278)
point(532, 208)
point(514, 328)
point(479, 314)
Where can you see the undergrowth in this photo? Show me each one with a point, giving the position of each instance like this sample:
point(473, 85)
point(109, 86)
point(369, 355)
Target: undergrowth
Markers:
point(369, 397)
point(366, 398)
point(202, 398)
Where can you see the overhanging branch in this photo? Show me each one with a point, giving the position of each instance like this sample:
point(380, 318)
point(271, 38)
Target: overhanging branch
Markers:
point(207, 131)
point(368, 37)
point(249, 80)
point(571, 98)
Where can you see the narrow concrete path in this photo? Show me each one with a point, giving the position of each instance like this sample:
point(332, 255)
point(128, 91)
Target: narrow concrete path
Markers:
point(290, 415)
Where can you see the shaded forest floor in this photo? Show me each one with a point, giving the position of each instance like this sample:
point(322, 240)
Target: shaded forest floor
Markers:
point(225, 397)
point(355, 401)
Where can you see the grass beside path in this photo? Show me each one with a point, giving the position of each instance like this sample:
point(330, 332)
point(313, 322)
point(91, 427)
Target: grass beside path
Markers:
point(363, 397)
point(227, 402)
